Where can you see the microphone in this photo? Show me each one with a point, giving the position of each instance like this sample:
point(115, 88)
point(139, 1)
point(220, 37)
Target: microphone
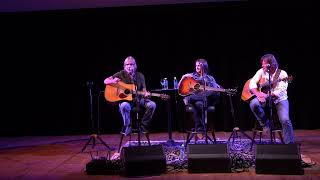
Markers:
point(268, 65)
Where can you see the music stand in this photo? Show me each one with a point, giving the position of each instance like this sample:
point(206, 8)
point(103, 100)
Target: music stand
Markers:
point(94, 137)
point(236, 129)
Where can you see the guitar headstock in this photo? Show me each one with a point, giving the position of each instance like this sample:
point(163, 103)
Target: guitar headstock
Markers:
point(231, 91)
point(164, 97)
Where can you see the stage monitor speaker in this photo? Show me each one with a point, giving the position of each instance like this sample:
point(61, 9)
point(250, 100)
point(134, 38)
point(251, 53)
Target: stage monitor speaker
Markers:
point(143, 160)
point(278, 159)
point(208, 158)
point(102, 166)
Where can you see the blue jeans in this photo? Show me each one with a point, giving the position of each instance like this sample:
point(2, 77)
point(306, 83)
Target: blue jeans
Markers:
point(283, 113)
point(148, 105)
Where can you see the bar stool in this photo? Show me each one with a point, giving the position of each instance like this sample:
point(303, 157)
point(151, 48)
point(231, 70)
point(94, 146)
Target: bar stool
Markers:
point(136, 114)
point(193, 132)
point(276, 128)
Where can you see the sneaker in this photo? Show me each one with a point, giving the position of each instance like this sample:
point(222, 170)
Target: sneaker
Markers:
point(126, 130)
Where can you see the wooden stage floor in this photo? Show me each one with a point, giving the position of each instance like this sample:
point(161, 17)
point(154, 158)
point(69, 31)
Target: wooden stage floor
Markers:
point(60, 158)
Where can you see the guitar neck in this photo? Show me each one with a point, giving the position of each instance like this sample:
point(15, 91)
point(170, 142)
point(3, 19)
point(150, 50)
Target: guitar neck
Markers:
point(143, 93)
point(212, 89)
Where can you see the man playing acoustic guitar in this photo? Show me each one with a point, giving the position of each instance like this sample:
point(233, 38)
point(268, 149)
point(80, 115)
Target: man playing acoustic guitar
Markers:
point(194, 95)
point(130, 76)
point(278, 94)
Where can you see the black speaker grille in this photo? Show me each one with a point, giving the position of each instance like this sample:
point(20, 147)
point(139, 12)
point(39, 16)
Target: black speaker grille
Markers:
point(278, 159)
point(143, 160)
point(208, 158)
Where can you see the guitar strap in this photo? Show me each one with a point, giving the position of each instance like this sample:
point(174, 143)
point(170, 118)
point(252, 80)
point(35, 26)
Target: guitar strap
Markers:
point(275, 78)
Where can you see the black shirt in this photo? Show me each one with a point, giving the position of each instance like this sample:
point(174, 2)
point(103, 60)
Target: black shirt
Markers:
point(138, 79)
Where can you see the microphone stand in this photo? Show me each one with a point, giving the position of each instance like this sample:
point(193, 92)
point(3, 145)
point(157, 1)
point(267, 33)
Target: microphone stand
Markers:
point(137, 106)
point(204, 116)
point(270, 105)
point(234, 133)
point(138, 109)
point(93, 136)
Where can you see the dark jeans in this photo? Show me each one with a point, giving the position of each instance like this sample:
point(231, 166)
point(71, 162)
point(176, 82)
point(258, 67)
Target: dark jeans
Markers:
point(197, 102)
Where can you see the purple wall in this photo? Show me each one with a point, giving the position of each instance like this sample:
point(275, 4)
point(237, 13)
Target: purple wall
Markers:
point(39, 5)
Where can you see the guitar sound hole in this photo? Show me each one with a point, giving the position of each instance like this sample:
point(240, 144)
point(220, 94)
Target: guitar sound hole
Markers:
point(197, 86)
point(127, 91)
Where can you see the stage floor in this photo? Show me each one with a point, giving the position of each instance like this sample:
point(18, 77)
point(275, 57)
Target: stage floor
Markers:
point(60, 157)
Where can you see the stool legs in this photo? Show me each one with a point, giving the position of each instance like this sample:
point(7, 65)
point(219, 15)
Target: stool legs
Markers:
point(193, 134)
point(138, 131)
point(273, 134)
point(280, 135)
point(213, 136)
point(121, 139)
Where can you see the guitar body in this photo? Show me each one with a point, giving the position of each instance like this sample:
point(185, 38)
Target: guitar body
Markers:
point(262, 87)
point(119, 91)
point(246, 94)
point(187, 85)
point(124, 92)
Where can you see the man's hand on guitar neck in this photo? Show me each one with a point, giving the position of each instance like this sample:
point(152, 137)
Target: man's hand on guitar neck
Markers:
point(111, 80)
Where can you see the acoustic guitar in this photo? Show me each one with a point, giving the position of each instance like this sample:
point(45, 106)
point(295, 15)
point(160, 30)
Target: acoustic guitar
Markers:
point(121, 91)
point(189, 85)
point(262, 85)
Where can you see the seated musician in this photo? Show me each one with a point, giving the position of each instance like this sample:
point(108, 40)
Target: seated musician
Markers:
point(130, 76)
point(195, 98)
point(278, 95)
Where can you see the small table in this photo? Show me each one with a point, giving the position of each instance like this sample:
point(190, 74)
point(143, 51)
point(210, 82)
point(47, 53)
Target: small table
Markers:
point(170, 141)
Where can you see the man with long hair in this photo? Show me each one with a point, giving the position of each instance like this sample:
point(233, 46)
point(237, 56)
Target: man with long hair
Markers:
point(197, 98)
point(130, 76)
point(277, 94)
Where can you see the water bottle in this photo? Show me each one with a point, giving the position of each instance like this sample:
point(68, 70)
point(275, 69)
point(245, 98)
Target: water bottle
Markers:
point(175, 83)
point(182, 155)
point(165, 83)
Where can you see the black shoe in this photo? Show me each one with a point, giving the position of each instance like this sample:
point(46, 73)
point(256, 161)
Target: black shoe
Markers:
point(200, 130)
point(258, 127)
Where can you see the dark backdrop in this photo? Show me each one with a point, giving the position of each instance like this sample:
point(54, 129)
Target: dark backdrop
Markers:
point(49, 57)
